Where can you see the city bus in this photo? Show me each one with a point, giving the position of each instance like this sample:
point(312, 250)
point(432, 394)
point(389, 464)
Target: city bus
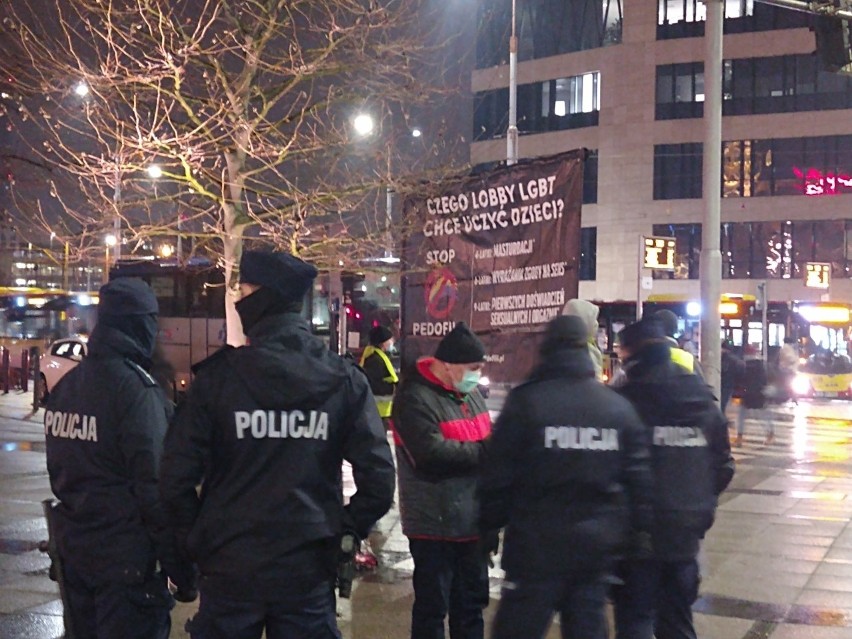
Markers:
point(824, 334)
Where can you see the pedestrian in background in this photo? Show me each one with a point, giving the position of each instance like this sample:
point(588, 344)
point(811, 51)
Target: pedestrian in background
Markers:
point(692, 464)
point(588, 312)
point(755, 388)
point(441, 426)
point(264, 430)
point(788, 366)
point(680, 356)
point(732, 371)
point(380, 371)
point(104, 427)
point(568, 475)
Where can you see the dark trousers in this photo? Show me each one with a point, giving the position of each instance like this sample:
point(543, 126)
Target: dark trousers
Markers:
point(449, 577)
point(527, 606)
point(102, 609)
point(656, 599)
point(309, 615)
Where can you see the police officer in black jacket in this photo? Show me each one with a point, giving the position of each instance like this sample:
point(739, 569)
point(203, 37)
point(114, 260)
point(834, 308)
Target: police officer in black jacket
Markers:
point(568, 475)
point(104, 426)
point(692, 464)
point(265, 429)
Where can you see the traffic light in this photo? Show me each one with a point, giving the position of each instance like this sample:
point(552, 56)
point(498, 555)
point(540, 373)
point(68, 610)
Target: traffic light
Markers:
point(834, 45)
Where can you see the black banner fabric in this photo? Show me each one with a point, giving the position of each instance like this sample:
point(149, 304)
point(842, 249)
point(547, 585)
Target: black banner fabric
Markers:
point(499, 251)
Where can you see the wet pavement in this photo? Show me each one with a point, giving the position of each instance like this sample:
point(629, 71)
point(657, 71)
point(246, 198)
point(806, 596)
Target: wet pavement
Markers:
point(776, 565)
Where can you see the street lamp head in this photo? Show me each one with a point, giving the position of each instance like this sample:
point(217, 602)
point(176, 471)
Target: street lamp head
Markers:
point(166, 250)
point(154, 171)
point(110, 240)
point(416, 133)
point(363, 124)
point(81, 89)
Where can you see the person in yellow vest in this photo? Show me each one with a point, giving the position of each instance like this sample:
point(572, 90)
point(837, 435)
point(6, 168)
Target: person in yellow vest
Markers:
point(679, 356)
point(380, 371)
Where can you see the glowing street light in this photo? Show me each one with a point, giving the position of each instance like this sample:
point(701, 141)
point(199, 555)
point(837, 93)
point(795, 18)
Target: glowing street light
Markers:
point(416, 133)
point(154, 171)
point(363, 124)
point(166, 250)
point(81, 89)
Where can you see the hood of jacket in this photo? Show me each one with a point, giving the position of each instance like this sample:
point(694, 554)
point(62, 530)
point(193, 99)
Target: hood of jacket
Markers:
point(564, 362)
point(284, 360)
point(587, 312)
point(108, 341)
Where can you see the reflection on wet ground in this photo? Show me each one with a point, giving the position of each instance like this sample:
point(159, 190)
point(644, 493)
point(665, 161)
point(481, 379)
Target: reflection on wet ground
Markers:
point(776, 565)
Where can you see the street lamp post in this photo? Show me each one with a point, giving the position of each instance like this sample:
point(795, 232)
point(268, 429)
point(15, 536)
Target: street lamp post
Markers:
point(512, 133)
point(711, 256)
point(109, 241)
point(116, 199)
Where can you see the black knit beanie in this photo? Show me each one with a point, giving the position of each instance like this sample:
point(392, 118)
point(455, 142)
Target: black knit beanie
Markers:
point(460, 346)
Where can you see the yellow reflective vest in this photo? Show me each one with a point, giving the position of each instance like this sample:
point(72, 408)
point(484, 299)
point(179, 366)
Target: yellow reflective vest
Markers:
point(384, 403)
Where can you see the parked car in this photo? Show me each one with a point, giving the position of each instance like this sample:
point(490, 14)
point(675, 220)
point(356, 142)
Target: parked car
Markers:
point(62, 355)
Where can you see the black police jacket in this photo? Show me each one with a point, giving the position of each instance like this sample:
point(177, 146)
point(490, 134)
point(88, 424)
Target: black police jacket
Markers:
point(567, 472)
point(690, 451)
point(104, 427)
point(265, 429)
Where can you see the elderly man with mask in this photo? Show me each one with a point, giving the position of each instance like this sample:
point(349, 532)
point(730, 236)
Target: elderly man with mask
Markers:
point(441, 425)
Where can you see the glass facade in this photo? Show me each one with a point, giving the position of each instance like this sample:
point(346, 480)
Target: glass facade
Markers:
point(813, 166)
point(685, 18)
point(764, 250)
point(677, 171)
point(780, 84)
point(588, 253)
point(552, 105)
point(546, 28)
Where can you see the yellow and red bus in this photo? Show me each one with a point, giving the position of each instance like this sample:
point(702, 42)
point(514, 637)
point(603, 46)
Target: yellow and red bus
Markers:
point(825, 342)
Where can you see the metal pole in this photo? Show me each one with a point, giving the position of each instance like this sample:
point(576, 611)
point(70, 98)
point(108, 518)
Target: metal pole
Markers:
point(65, 273)
point(512, 133)
point(711, 256)
point(116, 199)
point(639, 264)
point(763, 288)
point(389, 207)
point(179, 250)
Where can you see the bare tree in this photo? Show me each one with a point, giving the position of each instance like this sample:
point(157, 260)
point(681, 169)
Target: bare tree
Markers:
point(218, 121)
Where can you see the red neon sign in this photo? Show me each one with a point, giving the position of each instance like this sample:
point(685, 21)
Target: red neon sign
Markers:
point(815, 182)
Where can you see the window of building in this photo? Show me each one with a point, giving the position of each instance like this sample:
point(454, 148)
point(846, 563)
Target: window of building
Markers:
point(588, 253)
point(685, 18)
point(546, 28)
point(680, 90)
point(677, 171)
point(590, 178)
point(687, 250)
point(779, 84)
point(552, 105)
point(817, 166)
point(764, 250)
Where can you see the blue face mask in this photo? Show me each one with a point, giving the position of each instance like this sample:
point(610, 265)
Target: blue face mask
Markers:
point(468, 382)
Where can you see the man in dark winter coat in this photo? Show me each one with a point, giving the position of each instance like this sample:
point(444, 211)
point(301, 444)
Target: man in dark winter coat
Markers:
point(441, 424)
point(568, 475)
point(691, 462)
point(265, 429)
point(104, 427)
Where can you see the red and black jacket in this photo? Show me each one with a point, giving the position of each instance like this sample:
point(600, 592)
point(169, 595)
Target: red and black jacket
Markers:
point(440, 436)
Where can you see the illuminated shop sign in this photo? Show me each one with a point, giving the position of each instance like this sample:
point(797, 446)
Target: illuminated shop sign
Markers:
point(816, 182)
